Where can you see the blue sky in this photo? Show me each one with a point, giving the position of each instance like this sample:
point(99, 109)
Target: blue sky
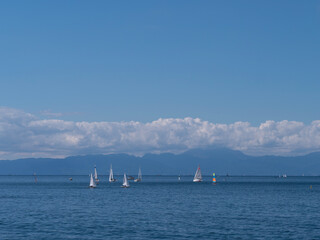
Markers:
point(220, 61)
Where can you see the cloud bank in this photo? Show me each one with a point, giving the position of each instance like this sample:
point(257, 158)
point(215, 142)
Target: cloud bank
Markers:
point(25, 135)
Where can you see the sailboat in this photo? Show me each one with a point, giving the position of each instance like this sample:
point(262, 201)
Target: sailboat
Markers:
point(214, 180)
point(198, 176)
point(35, 178)
point(139, 176)
point(92, 183)
point(96, 175)
point(111, 178)
point(125, 182)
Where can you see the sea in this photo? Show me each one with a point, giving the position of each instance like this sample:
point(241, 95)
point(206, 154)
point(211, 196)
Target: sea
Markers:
point(160, 207)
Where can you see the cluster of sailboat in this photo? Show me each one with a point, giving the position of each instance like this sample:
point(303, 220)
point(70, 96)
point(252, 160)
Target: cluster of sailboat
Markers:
point(95, 180)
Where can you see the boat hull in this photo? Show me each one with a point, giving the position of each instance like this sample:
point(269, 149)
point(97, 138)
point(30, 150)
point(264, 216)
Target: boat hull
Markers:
point(197, 180)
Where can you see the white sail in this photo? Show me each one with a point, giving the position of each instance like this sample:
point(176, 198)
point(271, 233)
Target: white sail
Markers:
point(95, 174)
point(198, 176)
point(92, 183)
point(111, 178)
point(125, 181)
point(139, 176)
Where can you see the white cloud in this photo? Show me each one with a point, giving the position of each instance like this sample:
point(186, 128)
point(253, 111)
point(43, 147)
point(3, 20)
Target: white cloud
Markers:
point(49, 113)
point(25, 135)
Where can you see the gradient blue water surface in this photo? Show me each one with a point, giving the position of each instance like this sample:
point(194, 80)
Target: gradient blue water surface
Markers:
point(160, 207)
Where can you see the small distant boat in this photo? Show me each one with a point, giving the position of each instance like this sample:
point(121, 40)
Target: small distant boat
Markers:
point(198, 176)
point(130, 178)
point(284, 175)
point(139, 176)
point(96, 175)
point(92, 183)
point(35, 178)
point(111, 178)
point(125, 182)
point(179, 178)
point(70, 179)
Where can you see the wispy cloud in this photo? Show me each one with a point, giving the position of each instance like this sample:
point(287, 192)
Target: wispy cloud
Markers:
point(49, 114)
point(25, 135)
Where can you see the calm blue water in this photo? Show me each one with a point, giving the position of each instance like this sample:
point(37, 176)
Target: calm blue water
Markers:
point(160, 208)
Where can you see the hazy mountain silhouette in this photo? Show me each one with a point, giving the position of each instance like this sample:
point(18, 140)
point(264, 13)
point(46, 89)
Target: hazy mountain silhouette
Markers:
point(219, 160)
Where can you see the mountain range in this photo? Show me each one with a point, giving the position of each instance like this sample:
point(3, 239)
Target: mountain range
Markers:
point(222, 161)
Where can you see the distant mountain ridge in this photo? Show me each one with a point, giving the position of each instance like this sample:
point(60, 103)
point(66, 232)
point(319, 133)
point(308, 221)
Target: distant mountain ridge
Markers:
point(220, 160)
